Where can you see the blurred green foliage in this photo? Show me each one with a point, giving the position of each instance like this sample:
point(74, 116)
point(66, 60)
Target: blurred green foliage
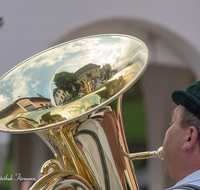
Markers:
point(6, 185)
point(134, 118)
point(134, 121)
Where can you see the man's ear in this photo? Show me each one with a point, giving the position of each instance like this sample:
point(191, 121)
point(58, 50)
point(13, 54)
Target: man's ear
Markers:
point(190, 138)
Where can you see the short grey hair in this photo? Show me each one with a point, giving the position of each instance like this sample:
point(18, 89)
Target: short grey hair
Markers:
point(189, 119)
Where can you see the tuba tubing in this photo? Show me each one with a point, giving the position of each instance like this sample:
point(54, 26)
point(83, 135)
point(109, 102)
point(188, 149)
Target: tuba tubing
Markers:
point(144, 155)
point(61, 96)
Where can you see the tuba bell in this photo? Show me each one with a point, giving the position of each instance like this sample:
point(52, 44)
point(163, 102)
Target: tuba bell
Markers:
point(70, 95)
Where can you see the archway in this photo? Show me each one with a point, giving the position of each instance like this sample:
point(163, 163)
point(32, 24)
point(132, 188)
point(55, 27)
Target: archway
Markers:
point(174, 64)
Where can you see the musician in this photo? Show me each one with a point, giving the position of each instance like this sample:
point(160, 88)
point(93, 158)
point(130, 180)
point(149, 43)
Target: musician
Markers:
point(181, 146)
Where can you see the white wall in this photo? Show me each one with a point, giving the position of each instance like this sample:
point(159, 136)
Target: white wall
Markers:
point(31, 26)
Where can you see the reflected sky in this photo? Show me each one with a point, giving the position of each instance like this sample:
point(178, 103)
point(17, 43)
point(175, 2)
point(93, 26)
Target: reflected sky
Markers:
point(35, 75)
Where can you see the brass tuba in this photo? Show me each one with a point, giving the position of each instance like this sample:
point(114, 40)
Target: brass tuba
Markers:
point(70, 95)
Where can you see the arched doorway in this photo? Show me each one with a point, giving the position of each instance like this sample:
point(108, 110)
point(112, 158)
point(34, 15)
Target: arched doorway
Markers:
point(173, 65)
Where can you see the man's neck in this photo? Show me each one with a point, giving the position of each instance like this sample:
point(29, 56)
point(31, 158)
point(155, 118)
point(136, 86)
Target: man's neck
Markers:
point(189, 164)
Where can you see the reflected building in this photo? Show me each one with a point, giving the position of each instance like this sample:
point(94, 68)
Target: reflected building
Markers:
point(87, 75)
point(21, 123)
point(25, 105)
point(60, 96)
point(88, 72)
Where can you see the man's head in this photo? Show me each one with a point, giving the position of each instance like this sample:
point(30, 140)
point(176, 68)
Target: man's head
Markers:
point(190, 100)
point(181, 146)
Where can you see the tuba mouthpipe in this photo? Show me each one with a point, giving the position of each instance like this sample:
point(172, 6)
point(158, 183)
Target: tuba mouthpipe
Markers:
point(144, 155)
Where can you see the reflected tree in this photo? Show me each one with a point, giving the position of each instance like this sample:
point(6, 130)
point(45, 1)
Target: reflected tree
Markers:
point(65, 81)
point(106, 70)
point(47, 118)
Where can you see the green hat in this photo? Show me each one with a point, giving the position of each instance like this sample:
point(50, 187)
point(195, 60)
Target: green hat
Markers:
point(190, 98)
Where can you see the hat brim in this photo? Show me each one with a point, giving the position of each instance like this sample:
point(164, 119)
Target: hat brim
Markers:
point(187, 100)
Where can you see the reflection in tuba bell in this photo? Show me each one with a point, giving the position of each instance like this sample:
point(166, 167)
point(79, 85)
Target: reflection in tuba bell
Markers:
point(70, 95)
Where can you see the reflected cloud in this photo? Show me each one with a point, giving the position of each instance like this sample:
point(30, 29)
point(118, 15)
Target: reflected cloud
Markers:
point(104, 66)
point(4, 101)
point(20, 87)
point(35, 84)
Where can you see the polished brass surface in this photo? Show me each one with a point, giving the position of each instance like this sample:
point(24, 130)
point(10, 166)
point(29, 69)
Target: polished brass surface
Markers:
point(62, 180)
point(129, 172)
point(62, 143)
point(144, 155)
point(62, 95)
point(69, 81)
point(48, 165)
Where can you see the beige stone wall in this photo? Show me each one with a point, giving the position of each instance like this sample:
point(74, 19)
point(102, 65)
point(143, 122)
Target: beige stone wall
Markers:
point(94, 72)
